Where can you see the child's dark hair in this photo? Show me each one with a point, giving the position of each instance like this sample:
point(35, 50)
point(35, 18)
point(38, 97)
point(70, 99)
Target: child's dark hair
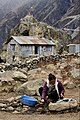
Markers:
point(51, 77)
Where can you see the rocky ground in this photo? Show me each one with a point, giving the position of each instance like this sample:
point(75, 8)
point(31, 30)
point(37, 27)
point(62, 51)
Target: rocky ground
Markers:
point(17, 80)
point(72, 115)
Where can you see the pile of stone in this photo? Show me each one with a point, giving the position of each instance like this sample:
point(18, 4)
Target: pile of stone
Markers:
point(15, 106)
point(33, 62)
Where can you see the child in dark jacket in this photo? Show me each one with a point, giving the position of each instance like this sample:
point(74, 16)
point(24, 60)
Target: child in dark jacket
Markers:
point(52, 89)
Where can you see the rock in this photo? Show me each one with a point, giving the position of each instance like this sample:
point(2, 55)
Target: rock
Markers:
point(24, 109)
point(67, 68)
point(16, 68)
point(17, 98)
point(4, 82)
point(3, 109)
point(23, 71)
point(2, 71)
point(19, 109)
point(15, 112)
point(50, 67)
point(30, 87)
point(65, 83)
point(4, 89)
point(38, 70)
point(3, 105)
point(17, 75)
point(14, 104)
point(70, 85)
point(10, 108)
point(75, 73)
point(7, 77)
point(0, 84)
point(10, 99)
point(63, 105)
point(34, 74)
point(31, 72)
point(43, 72)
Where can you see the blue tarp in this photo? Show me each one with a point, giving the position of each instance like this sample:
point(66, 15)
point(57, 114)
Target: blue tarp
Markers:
point(29, 101)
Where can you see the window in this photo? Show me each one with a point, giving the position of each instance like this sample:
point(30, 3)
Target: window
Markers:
point(13, 47)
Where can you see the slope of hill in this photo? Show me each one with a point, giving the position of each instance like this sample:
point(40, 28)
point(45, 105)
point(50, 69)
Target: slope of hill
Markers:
point(10, 5)
point(29, 26)
point(48, 11)
point(71, 24)
point(10, 20)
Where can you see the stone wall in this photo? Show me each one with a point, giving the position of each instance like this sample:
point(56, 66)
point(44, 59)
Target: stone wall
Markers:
point(34, 61)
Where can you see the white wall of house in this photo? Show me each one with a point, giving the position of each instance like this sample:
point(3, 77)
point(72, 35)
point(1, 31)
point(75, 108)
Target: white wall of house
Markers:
point(13, 48)
point(78, 48)
point(74, 48)
point(36, 50)
point(26, 50)
point(46, 50)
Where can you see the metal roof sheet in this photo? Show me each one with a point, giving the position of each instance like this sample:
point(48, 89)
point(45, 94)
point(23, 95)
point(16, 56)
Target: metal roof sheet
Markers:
point(32, 40)
point(72, 44)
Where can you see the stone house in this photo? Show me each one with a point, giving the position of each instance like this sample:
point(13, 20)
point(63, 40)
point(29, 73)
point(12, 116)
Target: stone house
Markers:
point(74, 48)
point(25, 46)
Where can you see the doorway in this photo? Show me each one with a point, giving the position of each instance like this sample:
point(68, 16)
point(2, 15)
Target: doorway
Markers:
point(36, 49)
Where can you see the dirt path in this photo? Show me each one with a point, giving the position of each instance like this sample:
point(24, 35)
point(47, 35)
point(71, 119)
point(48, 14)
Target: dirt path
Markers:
point(66, 116)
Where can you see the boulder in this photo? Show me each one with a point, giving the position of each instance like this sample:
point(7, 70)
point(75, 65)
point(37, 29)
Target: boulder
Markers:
point(30, 87)
point(75, 73)
point(10, 108)
point(64, 104)
point(70, 85)
point(17, 75)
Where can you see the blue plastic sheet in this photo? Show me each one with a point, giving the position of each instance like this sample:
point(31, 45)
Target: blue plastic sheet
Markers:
point(29, 101)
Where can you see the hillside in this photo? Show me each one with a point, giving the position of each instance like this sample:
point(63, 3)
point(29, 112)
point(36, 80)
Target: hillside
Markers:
point(51, 12)
point(29, 26)
point(10, 5)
